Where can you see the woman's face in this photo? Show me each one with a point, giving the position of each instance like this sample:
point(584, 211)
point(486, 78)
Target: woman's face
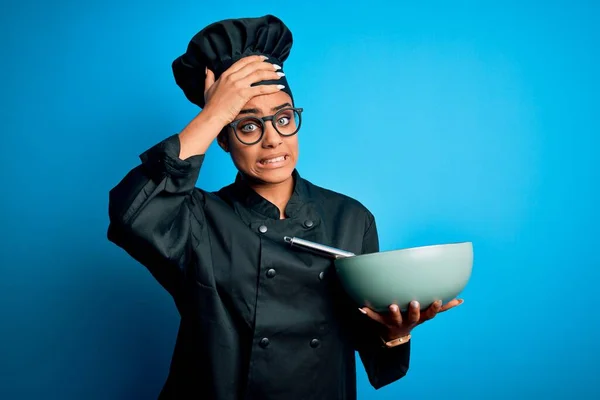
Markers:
point(273, 159)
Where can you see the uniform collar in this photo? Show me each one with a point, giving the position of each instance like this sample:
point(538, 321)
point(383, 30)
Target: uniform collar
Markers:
point(252, 200)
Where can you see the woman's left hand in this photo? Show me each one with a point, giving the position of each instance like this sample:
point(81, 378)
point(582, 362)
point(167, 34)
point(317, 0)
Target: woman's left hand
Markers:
point(396, 325)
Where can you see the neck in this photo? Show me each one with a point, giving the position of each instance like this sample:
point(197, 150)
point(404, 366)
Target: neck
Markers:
point(278, 194)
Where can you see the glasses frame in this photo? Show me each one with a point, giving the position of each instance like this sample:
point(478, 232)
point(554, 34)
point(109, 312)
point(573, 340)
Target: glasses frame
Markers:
point(233, 125)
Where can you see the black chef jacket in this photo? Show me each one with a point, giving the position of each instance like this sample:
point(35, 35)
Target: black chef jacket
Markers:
point(259, 320)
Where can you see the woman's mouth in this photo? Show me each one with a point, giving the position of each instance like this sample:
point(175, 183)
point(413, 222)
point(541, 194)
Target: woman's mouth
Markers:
point(273, 162)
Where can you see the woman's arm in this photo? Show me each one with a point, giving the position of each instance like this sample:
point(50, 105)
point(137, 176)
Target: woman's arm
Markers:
point(155, 214)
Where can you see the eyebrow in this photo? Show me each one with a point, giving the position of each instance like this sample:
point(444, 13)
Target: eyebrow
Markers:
point(257, 111)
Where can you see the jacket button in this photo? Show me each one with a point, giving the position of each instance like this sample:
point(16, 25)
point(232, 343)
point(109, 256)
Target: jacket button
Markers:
point(308, 223)
point(315, 343)
point(264, 342)
point(262, 229)
point(271, 273)
point(322, 275)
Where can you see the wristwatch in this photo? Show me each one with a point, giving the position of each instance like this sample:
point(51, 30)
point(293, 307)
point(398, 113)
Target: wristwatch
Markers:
point(397, 341)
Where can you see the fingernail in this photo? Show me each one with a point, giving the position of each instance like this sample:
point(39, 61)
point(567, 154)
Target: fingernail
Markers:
point(280, 86)
point(280, 74)
point(277, 67)
point(206, 70)
point(362, 311)
point(460, 302)
point(394, 308)
point(438, 303)
point(414, 304)
point(264, 57)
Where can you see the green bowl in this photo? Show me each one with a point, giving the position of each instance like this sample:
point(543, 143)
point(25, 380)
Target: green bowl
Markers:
point(425, 274)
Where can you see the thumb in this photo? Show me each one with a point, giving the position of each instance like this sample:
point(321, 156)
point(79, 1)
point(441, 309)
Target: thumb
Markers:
point(209, 80)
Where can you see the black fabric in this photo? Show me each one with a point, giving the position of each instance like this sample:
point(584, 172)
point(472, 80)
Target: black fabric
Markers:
point(221, 44)
point(259, 320)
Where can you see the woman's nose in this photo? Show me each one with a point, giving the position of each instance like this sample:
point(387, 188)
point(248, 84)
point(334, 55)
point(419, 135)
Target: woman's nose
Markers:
point(271, 138)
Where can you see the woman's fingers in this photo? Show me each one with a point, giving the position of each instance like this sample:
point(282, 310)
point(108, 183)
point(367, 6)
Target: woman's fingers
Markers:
point(263, 89)
point(431, 311)
point(248, 70)
point(414, 313)
point(413, 316)
point(242, 63)
point(241, 76)
point(451, 304)
point(259, 76)
point(372, 314)
point(394, 317)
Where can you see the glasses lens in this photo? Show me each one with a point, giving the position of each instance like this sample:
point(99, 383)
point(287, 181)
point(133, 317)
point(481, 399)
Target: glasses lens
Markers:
point(249, 130)
point(287, 122)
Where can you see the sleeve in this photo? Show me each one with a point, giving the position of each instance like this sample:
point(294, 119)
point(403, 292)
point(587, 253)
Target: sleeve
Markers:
point(382, 365)
point(154, 214)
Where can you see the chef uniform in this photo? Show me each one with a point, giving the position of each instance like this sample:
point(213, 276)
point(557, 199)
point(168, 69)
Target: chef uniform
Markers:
point(259, 320)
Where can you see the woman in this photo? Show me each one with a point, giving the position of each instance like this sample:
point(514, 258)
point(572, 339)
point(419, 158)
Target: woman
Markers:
point(258, 319)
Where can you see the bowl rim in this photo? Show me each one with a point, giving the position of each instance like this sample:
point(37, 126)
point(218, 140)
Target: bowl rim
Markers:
point(408, 249)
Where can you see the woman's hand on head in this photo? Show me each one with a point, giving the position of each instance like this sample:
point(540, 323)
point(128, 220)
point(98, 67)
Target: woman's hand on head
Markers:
point(226, 96)
point(397, 324)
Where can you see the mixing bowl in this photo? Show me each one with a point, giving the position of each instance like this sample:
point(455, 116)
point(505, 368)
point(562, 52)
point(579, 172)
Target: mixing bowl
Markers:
point(425, 274)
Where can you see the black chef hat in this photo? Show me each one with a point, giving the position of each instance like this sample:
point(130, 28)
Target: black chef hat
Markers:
point(222, 43)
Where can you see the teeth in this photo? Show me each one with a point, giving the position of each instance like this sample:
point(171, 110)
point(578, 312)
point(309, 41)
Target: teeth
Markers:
point(273, 160)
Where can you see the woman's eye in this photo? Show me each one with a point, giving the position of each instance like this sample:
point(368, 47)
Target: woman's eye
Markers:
point(249, 128)
point(283, 121)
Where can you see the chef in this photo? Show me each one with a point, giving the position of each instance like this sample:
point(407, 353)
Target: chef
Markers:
point(259, 320)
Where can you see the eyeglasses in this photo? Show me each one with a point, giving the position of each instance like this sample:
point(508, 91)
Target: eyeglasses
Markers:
point(250, 130)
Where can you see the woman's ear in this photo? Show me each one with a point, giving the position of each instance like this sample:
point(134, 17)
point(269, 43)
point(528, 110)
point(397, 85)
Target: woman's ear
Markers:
point(223, 140)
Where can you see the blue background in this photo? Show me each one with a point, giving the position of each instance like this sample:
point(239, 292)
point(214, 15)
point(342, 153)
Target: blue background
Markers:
point(451, 121)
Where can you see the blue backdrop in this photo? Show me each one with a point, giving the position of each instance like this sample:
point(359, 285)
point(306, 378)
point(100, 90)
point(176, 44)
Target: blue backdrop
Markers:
point(451, 121)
